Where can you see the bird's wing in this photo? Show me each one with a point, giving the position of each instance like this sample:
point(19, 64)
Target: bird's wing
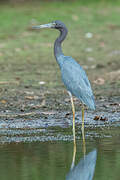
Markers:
point(76, 81)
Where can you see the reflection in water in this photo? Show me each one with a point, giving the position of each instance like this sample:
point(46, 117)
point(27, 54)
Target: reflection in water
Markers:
point(74, 154)
point(84, 170)
point(83, 137)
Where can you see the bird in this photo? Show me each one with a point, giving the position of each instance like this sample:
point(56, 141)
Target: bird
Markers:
point(73, 75)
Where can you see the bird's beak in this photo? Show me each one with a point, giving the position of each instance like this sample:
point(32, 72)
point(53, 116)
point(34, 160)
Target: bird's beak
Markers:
point(50, 25)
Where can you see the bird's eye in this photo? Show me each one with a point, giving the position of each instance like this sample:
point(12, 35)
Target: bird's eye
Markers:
point(57, 25)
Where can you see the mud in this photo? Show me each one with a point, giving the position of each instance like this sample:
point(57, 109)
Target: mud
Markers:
point(32, 114)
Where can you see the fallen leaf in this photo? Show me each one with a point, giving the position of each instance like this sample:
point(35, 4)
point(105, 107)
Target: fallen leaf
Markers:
point(67, 100)
point(96, 118)
point(42, 82)
point(28, 92)
point(2, 45)
point(75, 17)
point(3, 101)
point(48, 112)
point(100, 118)
point(17, 78)
point(46, 44)
point(114, 104)
point(115, 52)
point(43, 103)
point(1, 54)
point(100, 66)
point(93, 67)
point(85, 67)
point(90, 59)
point(89, 49)
point(114, 75)
point(67, 114)
point(17, 49)
point(99, 81)
point(31, 97)
point(9, 82)
point(102, 44)
point(114, 26)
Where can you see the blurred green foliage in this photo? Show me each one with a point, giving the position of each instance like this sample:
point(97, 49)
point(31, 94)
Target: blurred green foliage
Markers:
point(79, 1)
point(22, 48)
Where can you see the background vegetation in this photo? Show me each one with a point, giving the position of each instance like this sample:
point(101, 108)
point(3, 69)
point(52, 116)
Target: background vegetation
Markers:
point(28, 55)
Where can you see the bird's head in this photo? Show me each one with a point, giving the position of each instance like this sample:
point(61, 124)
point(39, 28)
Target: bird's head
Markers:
point(59, 25)
point(55, 24)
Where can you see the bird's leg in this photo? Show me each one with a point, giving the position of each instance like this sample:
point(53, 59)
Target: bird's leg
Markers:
point(83, 118)
point(74, 149)
point(83, 133)
point(73, 110)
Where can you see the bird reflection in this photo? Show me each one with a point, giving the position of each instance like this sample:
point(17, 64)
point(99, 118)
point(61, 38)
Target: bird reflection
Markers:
point(84, 170)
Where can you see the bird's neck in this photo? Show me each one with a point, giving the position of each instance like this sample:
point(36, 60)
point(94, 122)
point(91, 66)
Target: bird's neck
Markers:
point(57, 44)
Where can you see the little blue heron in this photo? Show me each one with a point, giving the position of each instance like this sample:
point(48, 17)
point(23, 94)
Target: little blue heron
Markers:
point(73, 75)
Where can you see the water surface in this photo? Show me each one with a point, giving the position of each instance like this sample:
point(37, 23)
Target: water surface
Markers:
point(51, 160)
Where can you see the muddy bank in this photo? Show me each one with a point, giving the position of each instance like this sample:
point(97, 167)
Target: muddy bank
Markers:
point(32, 114)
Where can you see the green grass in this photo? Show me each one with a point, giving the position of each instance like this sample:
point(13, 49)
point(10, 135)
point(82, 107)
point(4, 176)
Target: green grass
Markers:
point(29, 54)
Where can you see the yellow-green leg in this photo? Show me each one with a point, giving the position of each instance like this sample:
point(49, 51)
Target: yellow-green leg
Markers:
point(83, 133)
point(73, 110)
point(74, 148)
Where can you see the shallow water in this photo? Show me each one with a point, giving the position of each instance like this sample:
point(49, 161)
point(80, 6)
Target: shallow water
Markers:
point(51, 160)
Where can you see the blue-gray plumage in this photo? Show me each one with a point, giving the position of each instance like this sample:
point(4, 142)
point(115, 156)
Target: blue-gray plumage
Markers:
point(76, 81)
point(73, 75)
point(84, 170)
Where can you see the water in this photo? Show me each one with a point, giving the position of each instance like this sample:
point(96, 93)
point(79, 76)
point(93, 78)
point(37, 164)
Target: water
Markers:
point(51, 160)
